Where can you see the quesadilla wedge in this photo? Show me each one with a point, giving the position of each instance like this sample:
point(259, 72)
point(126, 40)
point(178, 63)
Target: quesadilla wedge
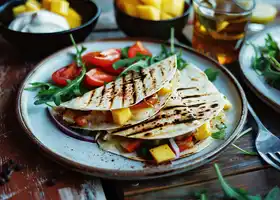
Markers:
point(181, 128)
point(127, 101)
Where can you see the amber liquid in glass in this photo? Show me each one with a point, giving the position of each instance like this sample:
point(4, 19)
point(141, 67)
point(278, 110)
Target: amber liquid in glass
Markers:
point(218, 34)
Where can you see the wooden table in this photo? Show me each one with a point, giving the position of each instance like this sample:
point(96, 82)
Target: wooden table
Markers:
point(33, 181)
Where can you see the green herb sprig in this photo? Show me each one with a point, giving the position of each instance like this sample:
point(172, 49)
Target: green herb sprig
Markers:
point(234, 193)
point(237, 193)
point(142, 61)
point(243, 151)
point(266, 61)
point(212, 74)
point(221, 134)
point(51, 93)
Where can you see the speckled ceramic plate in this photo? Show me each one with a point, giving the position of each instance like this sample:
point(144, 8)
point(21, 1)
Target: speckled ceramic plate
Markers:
point(257, 83)
point(87, 157)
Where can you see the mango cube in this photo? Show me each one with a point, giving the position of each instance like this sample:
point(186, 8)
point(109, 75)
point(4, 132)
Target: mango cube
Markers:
point(165, 90)
point(165, 16)
point(60, 7)
point(130, 9)
point(162, 153)
point(32, 5)
point(46, 4)
point(203, 132)
point(227, 105)
point(155, 3)
point(121, 116)
point(19, 10)
point(134, 2)
point(148, 12)
point(73, 18)
point(173, 7)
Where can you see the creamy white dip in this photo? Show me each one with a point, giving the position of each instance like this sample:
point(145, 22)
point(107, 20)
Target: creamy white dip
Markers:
point(41, 21)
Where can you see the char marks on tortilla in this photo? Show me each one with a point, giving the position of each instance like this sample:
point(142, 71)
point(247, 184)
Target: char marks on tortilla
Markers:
point(128, 90)
point(196, 102)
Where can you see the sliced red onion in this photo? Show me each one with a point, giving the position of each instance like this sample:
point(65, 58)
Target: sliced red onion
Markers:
point(175, 147)
point(69, 131)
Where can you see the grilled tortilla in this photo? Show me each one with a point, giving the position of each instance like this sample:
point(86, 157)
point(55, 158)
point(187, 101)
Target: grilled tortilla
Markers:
point(196, 103)
point(125, 92)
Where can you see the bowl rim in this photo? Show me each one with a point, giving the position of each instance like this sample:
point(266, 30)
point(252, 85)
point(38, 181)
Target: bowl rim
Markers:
point(95, 17)
point(186, 13)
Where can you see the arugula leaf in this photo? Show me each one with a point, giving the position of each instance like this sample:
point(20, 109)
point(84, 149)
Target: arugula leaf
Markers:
point(124, 52)
point(136, 63)
point(238, 194)
point(39, 85)
point(249, 153)
point(220, 135)
point(51, 93)
point(265, 62)
point(135, 67)
point(212, 74)
point(244, 133)
point(203, 197)
point(274, 194)
point(128, 61)
point(201, 194)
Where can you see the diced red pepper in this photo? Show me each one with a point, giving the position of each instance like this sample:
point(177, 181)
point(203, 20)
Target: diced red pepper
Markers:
point(131, 145)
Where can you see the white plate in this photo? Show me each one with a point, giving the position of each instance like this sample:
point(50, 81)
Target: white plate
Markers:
point(257, 83)
point(87, 157)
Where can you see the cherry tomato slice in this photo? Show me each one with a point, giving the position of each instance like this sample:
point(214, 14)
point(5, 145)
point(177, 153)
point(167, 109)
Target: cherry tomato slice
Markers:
point(146, 103)
point(186, 143)
point(104, 60)
point(131, 146)
point(81, 120)
point(138, 48)
point(96, 77)
point(69, 72)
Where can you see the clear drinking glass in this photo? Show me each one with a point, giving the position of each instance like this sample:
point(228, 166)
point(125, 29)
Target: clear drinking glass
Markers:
point(220, 27)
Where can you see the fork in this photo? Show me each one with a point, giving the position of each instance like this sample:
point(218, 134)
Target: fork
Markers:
point(267, 144)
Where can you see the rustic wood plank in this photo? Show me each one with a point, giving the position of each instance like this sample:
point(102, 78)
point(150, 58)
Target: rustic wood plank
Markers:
point(32, 182)
point(271, 177)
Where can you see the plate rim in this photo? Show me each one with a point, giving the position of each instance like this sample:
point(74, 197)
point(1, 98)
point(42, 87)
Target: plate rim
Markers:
point(265, 98)
point(137, 174)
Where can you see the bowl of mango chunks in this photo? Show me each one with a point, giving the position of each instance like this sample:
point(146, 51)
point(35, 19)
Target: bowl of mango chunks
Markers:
point(151, 18)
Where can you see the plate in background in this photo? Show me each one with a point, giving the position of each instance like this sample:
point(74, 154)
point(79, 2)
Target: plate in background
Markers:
point(257, 83)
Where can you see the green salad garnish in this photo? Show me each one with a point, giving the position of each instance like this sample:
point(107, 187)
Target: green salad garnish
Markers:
point(266, 61)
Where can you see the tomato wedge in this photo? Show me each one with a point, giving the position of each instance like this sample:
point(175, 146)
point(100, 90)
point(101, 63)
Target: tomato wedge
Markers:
point(138, 48)
point(69, 72)
point(146, 103)
point(96, 77)
point(185, 143)
point(81, 121)
point(131, 145)
point(104, 60)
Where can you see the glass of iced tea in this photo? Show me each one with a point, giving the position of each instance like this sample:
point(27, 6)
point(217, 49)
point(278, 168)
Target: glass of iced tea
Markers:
point(220, 27)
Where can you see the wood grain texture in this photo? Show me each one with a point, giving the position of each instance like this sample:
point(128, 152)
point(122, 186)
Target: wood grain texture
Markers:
point(32, 181)
point(214, 189)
